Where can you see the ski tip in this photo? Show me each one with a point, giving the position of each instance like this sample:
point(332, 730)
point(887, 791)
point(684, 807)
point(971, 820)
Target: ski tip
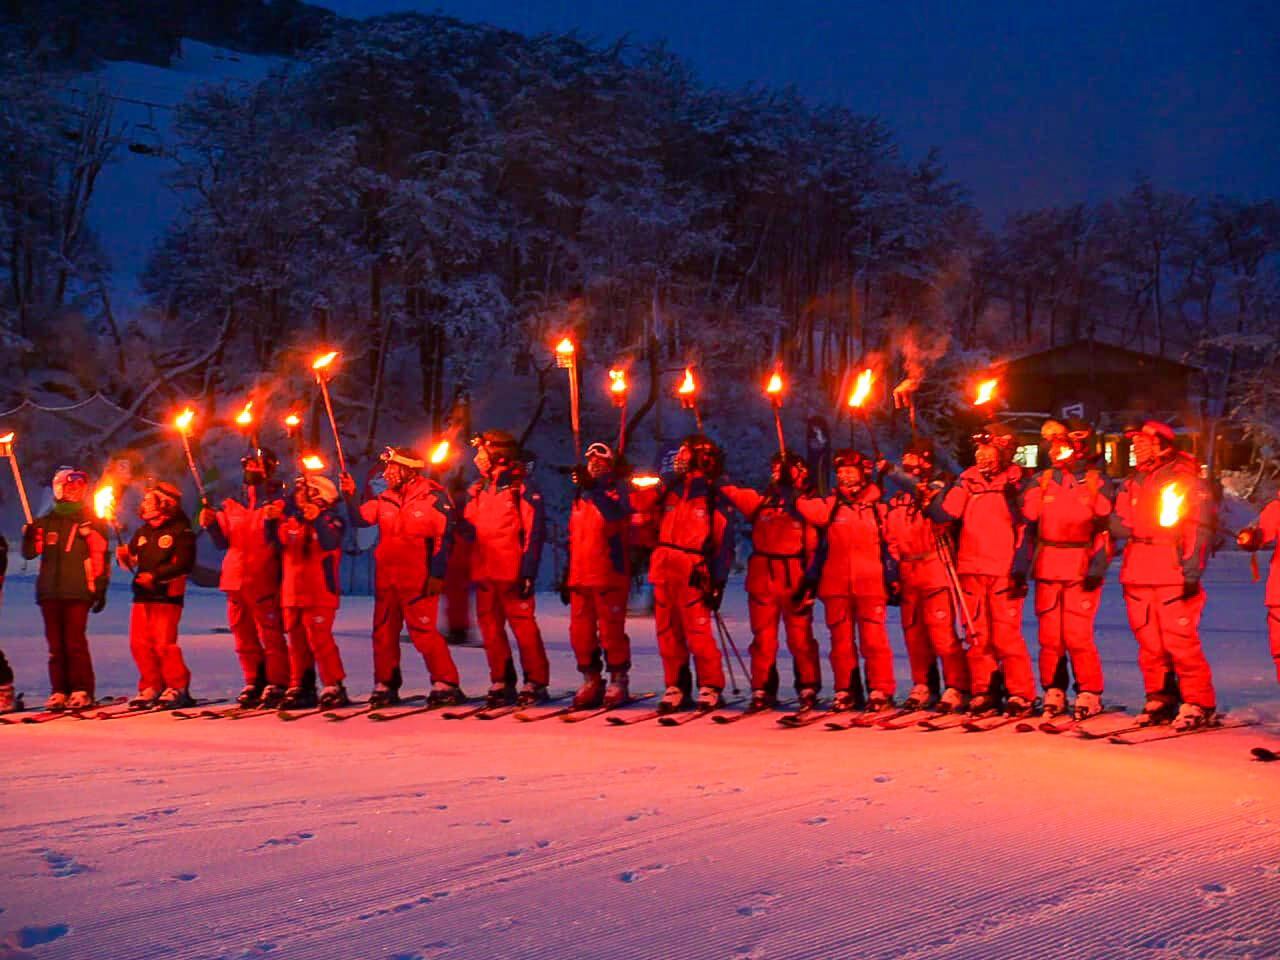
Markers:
point(1265, 755)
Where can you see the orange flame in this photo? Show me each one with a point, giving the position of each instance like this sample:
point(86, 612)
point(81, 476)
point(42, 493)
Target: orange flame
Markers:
point(440, 452)
point(1171, 501)
point(774, 387)
point(312, 463)
point(688, 386)
point(617, 381)
point(645, 482)
point(565, 347)
point(293, 421)
point(245, 417)
point(7, 438)
point(1064, 454)
point(862, 388)
point(104, 503)
point(183, 420)
point(986, 392)
point(323, 361)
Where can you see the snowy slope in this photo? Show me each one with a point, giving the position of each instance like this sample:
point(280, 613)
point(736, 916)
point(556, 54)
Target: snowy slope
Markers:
point(131, 208)
point(154, 837)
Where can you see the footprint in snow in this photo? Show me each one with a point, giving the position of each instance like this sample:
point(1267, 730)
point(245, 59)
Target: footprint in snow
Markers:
point(1214, 894)
point(292, 840)
point(646, 812)
point(63, 864)
point(36, 936)
point(815, 821)
point(425, 952)
point(1271, 869)
point(640, 873)
point(749, 953)
point(853, 858)
point(882, 778)
point(757, 905)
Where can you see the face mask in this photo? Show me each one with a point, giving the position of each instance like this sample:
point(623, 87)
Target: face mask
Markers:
point(987, 459)
point(1144, 451)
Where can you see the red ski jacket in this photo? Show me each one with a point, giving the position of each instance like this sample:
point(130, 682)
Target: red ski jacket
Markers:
point(1157, 555)
point(507, 526)
point(992, 528)
point(693, 531)
point(416, 527)
point(911, 537)
point(251, 562)
point(310, 554)
point(598, 528)
point(853, 552)
point(1068, 511)
point(783, 544)
point(1269, 524)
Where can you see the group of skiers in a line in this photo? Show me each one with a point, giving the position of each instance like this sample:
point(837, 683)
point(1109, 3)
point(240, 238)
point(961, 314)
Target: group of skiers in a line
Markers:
point(960, 555)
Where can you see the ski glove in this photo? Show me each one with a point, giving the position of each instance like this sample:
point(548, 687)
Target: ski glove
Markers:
point(564, 593)
point(893, 593)
point(714, 597)
point(99, 600)
point(805, 594)
point(435, 586)
point(1017, 586)
point(1190, 588)
point(1092, 582)
point(581, 477)
point(1250, 538)
point(524, 588)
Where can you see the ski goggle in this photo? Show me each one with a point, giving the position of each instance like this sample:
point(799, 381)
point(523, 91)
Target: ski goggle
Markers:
point(392, 455)
point(75, 476)
point(601, 450)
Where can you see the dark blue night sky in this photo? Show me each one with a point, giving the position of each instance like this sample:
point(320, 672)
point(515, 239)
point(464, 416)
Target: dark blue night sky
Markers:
point(1033, 104)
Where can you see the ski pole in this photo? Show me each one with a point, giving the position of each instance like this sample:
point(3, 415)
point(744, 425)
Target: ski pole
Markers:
point(724, 652)
point(728, 637)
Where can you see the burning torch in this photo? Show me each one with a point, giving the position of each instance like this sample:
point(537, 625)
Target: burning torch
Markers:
point(567, 359)
point(245, 423)
point(688, 394)
point(183, 422)
point(858, 397)
point(618, 388)
point(439, 456)
point(293, 431)
point(1172, 499)
point(104, 507)
point(312, 464)
point(6, 450)
point(320, 365)
point(985, 393)
point(774, 390)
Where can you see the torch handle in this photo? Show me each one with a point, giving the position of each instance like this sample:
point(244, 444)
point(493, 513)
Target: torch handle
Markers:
point(777, 422)
point(191, 465)
point(22, 490)
point(574, 410)
point(333, 423)
point(622, 429)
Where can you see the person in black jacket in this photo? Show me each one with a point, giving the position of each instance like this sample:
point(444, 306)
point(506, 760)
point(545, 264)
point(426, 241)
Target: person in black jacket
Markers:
point(7, 703)
point(161, 554)
point(72, 547)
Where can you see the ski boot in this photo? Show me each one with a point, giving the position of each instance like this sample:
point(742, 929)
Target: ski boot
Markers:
point(709, 698)
point(591, 694)
point(145, 699)
point(532, 694)
point(383, 695)
point(878, 701)
point(1055, 703)
point(56, 703)
point(618, 692)
point(1087, 705)
point(297, 698)
point(672, 700)
point(919, 698)
point(1016, 706)
point(951, 701)
point(249, 696)
point(273, 696)
point(807, 699)
point(981, 703)
point(79, 700)
point(8, 702)
point(458, 637)
point(334, 696)
point(442, 695)
point(174, 699)
point(1191, 716)
point(499, 695)
point(1155, 711)
point(762, 700)
point(842, 702)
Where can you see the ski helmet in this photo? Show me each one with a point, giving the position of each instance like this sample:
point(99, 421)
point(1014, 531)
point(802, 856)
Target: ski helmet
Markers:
point(704, 455)
point(65, 476)
point(320, 489)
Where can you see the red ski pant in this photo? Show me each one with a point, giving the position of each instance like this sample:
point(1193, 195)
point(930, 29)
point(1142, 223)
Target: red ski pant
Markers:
point(311, 643)
point(499, 603)
point(1273, 631)
point(929, 629)
point(863, 615)
point(153, 641)
point(598, 622)
point(457, 587)
point(65, 625)
point(1066, 612)
point(683, 623)
point(766, 608)
point(391, 612)
point(997, 635)
point(260, 644)
point(1167, 629)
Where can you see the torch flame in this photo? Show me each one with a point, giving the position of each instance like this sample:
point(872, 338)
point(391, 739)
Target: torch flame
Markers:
point(774, 387)
point(7, 438)
point(986, 391)
point(565, 347)
point(617, 381)
point(1171, 501)
point(645, 482)
point(862, 388)
point(323, 361)
point(104, 502)
point(1064, 454)
point(183, 420)
point(440, 452)
point(292, 421)
point(688, 385)
point(245, 417)
point(312, 463)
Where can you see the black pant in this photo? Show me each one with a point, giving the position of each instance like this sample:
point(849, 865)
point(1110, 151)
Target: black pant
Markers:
point(70, 667)
point(6, 671)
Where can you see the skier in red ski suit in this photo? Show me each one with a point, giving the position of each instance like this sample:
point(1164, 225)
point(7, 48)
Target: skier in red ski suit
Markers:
point(1165, 512)
point(1265, 534)
point(416, 524)
point(309, 537)
point(251, 579)
point(992, 559)
point(598, 580)
point(924, 586)
point(688, 570)
point(783, 548)
point(72, 547)
point(506, 522)
point(457, 576)
point(162, 553)
point(852, 573)
point(1067, 508)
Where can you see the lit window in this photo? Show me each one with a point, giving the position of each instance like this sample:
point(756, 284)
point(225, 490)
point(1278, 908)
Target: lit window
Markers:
point(1027, 455)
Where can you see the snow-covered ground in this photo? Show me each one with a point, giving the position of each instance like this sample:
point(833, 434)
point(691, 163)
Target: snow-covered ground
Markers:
point(154, 837)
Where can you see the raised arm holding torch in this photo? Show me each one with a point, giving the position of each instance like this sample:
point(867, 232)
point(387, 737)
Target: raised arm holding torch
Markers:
point(6, 450)
point(321, 367)
point(904, 395)
point(183, 423)
point(567, 359)
point(688, 394)
point(774, 390)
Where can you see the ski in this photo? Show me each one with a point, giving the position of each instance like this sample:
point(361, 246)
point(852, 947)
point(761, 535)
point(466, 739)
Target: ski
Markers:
point(804, 718)
point(337, 715)
point(627, 721)
point(680, 719)
point(723, 718)
point(983, 724)
point(1265, 755)
point(1065, 723)
point(1125, 725)
point(47, 715)
point(149, 711)
point(874, 718)
point(288, 716)
point(510, 708)
point(1167, 733)
point(379, 716)
point(577, 716)
point(908, 719)
point(18, 706)
point(848, 719)
point(946, 721)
